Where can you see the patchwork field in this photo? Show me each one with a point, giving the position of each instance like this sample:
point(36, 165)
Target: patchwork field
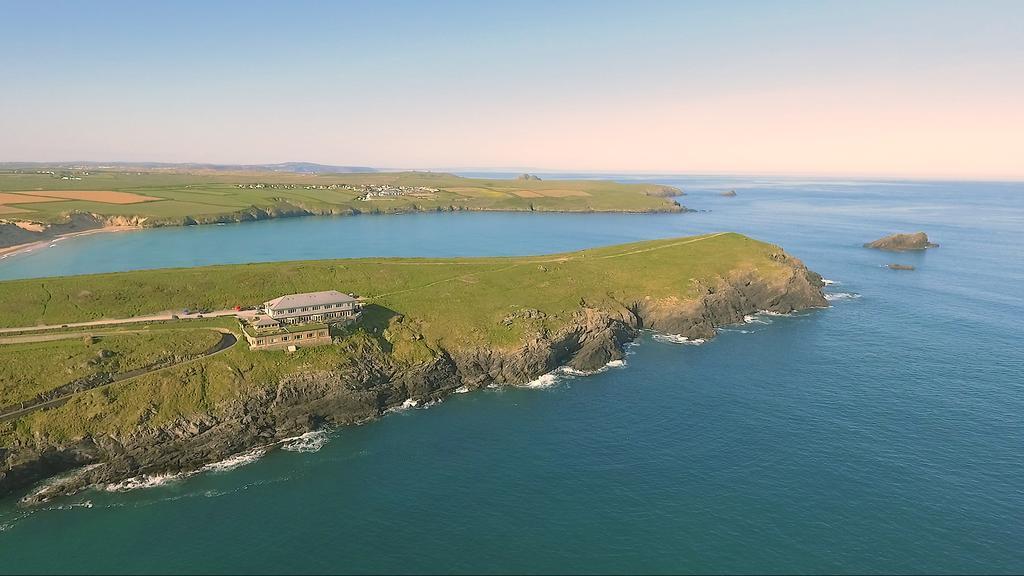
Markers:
point(102, 196)
point(168, 198)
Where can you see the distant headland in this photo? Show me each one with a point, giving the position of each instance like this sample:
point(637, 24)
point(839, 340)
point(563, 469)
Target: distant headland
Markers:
point(40, 202)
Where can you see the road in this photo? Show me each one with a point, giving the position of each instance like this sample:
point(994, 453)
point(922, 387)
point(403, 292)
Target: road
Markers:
point(114, 321)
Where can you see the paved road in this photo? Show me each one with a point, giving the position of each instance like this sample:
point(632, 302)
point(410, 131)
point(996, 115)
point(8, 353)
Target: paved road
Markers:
point(227, 340)
point(114, 321)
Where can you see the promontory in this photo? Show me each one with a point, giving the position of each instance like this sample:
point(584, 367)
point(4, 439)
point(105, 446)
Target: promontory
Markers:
point(205, 363)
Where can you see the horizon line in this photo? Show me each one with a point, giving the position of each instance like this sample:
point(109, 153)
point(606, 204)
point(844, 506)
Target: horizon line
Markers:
point(548, 170)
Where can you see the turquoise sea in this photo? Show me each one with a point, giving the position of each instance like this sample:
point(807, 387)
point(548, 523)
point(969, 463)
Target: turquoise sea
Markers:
point(884, 434)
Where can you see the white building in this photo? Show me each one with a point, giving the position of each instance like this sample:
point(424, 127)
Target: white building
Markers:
point(328, 306)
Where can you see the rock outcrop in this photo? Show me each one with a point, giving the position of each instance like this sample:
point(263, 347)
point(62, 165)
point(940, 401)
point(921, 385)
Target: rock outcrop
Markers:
point(728, 193)
point(527, 177)
point(900, 267)
point(370, 386)
point(898, 242)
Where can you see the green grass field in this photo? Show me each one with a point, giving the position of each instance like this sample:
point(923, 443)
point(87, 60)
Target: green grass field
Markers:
point(415, 308)
point(210, 196)
point(455, 301)
point(35, 367)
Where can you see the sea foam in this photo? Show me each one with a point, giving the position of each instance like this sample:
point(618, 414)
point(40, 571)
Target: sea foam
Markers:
point(308, 442)
point(563, 373)
point(143, 481)
point(678, 339)
point(841, 296)
point(235, 461)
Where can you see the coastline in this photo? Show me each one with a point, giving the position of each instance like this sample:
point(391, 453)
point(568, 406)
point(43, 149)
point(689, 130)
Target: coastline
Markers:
point(38, 244)
point(375, 373)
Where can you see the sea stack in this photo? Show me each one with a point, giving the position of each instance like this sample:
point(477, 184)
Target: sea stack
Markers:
point(728, 194)
point(527, 177)
point(915, 241)
point(900, 267)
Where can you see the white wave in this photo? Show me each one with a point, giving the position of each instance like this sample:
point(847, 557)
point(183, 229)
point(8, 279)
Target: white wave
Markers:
point(86, 504)
point(236, 461)
point(544, 381)
point(830, 282)
point(616, 364)
point(409, 403)
point(308, 442)
point(678, 339)
point(462, 390)
point(143, 481)
point(841, 296)
point(45, 486)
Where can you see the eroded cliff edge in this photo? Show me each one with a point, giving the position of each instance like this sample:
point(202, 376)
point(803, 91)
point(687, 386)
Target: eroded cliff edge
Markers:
point(365, 388)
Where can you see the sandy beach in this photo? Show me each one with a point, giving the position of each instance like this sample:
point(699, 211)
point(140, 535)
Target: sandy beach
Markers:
point(41, 244)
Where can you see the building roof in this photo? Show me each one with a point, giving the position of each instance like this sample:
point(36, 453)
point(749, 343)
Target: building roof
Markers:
point(308, 299)
point(265, 322)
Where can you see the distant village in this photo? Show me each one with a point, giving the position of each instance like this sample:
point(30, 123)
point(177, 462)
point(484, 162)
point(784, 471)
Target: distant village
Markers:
point(366, 191)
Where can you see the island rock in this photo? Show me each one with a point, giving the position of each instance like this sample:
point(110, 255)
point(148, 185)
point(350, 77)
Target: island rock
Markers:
point(898, 242)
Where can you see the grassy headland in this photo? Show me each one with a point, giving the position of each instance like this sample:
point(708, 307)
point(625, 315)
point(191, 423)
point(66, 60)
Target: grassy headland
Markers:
point(417, 309)
point(455, 301)
point(169, 198)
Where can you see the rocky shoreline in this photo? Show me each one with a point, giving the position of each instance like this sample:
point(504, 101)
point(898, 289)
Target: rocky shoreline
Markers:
point(369, 388)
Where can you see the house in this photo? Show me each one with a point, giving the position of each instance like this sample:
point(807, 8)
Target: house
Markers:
point(299, 320)
point(268, 334)
point(327, 306)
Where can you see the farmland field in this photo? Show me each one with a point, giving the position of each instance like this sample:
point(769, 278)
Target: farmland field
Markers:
point(168, 198)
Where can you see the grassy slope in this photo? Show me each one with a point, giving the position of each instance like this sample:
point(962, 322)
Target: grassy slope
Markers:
point(208, 195)
point(31, 368)
point(451, 302)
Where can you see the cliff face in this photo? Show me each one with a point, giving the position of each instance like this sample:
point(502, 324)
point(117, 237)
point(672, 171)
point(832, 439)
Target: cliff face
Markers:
point(366, 388)
point(12, 234)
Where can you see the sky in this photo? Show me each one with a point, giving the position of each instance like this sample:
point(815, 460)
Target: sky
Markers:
point(895, 88)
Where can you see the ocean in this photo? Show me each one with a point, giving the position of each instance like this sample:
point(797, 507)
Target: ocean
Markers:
point(883, 434)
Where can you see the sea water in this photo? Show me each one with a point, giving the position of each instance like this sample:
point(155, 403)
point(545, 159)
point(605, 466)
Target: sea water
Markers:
point(884, 434)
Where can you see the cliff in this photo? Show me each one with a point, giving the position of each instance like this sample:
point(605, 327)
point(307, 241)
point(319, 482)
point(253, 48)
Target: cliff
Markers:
point(380, 374)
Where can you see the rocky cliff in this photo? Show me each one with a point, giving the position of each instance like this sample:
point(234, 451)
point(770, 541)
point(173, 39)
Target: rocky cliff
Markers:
point(367, 387)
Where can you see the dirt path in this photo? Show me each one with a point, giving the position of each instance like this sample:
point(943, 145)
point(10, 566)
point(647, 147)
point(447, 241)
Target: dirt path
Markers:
point(115, 321)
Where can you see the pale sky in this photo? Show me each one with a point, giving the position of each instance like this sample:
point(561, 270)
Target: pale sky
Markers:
point(912, 88)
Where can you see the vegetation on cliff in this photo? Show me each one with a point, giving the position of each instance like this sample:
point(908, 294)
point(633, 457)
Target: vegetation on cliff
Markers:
point(430, 326)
